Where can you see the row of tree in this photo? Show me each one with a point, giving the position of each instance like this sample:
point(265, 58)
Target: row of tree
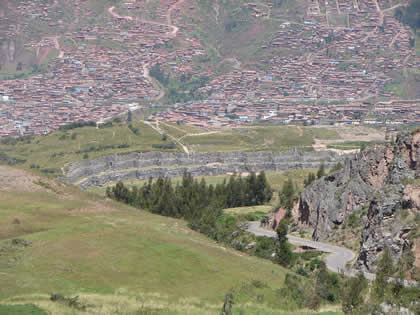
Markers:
point(194, 200)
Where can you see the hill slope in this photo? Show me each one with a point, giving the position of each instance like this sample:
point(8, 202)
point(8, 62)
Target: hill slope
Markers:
point(117, 259)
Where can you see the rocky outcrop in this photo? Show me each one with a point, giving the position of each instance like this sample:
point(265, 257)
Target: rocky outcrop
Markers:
point(328, 200)
point(382, 179)
point(142, 166)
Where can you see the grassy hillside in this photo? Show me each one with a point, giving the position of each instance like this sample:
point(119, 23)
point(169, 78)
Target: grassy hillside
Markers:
point(117, 259)
point(259, 138)
point(56, 149)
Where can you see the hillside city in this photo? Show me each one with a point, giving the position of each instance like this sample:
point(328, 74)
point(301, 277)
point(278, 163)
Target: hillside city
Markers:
point(340, 67)
point(211, 157)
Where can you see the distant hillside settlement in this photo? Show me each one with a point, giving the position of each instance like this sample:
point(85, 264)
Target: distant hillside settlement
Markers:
point(342, 54)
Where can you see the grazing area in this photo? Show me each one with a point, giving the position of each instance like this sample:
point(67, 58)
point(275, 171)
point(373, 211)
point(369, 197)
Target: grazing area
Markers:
point(119, 259)
point(51, 152)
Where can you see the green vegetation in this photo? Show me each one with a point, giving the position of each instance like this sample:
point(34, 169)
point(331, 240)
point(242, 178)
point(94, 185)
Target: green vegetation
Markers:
point(409, 15)
point(287, 196)
point(26, 309)
point(197, 202)
point(275, 179)
point(116, 258)
point(65, 246)
point(55, 150)
point(358, 299)
point(351, 145)
point(353, 295)
point(179, 90)
point(267, 138)
point(246, 210)
point(284, 255)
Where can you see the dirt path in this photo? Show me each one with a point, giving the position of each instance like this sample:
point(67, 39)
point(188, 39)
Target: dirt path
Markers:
point(174, 28)
point(395, 6)
point(236, 63)
point(173, 33)
point(57, 46)
point(174, 127)
point(394, 39)
point(168, 15)
point(111, 11)
point(160, 131)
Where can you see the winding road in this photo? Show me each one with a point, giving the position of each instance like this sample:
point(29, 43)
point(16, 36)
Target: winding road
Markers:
point(336, 261)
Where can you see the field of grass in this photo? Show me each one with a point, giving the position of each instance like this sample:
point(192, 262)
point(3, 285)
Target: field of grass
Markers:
point(259, 138)
point(61, 147)
point(54, 151)
point(24, 309)
point(121, 260)
point(350, 145)
point(245, 210)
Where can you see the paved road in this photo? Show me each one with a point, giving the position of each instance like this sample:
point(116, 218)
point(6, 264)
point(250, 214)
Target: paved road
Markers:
point(337, 259)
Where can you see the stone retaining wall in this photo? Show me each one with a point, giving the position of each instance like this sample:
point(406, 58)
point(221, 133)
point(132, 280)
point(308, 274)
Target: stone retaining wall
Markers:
point(141, 166)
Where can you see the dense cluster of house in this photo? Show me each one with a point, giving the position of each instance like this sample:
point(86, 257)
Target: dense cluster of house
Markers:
point(100, 72)
point(216, 113)
point(342, 52)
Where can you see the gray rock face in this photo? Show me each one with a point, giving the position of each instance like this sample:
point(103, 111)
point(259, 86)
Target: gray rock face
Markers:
point(377, 178)
point(328, 200)
point(142, 166)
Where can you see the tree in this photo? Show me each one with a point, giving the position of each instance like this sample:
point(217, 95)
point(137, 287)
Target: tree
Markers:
point(352, 298)
point(263, 190)
point(287, 195)
point(309, 180)
point(284, 255)
point(321, 171)
point(384, 270)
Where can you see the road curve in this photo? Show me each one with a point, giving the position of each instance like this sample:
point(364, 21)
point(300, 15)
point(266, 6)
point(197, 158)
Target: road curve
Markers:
point(337, 259)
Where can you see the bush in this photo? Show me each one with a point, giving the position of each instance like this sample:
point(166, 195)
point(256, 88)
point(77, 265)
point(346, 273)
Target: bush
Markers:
point(134, 130)
point(49, 170)
point(168, 146)
point(107, 124)
point(77, 125)
point(72, 302)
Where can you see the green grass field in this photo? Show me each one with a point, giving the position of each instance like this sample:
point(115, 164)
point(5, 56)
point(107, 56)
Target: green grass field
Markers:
point(121, 260)
point(59, 148)
point(245, 210)
point(350, 145)
point(260, 138)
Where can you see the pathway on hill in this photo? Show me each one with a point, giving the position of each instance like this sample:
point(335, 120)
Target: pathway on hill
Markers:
point(336, 261)
point(162, 132)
